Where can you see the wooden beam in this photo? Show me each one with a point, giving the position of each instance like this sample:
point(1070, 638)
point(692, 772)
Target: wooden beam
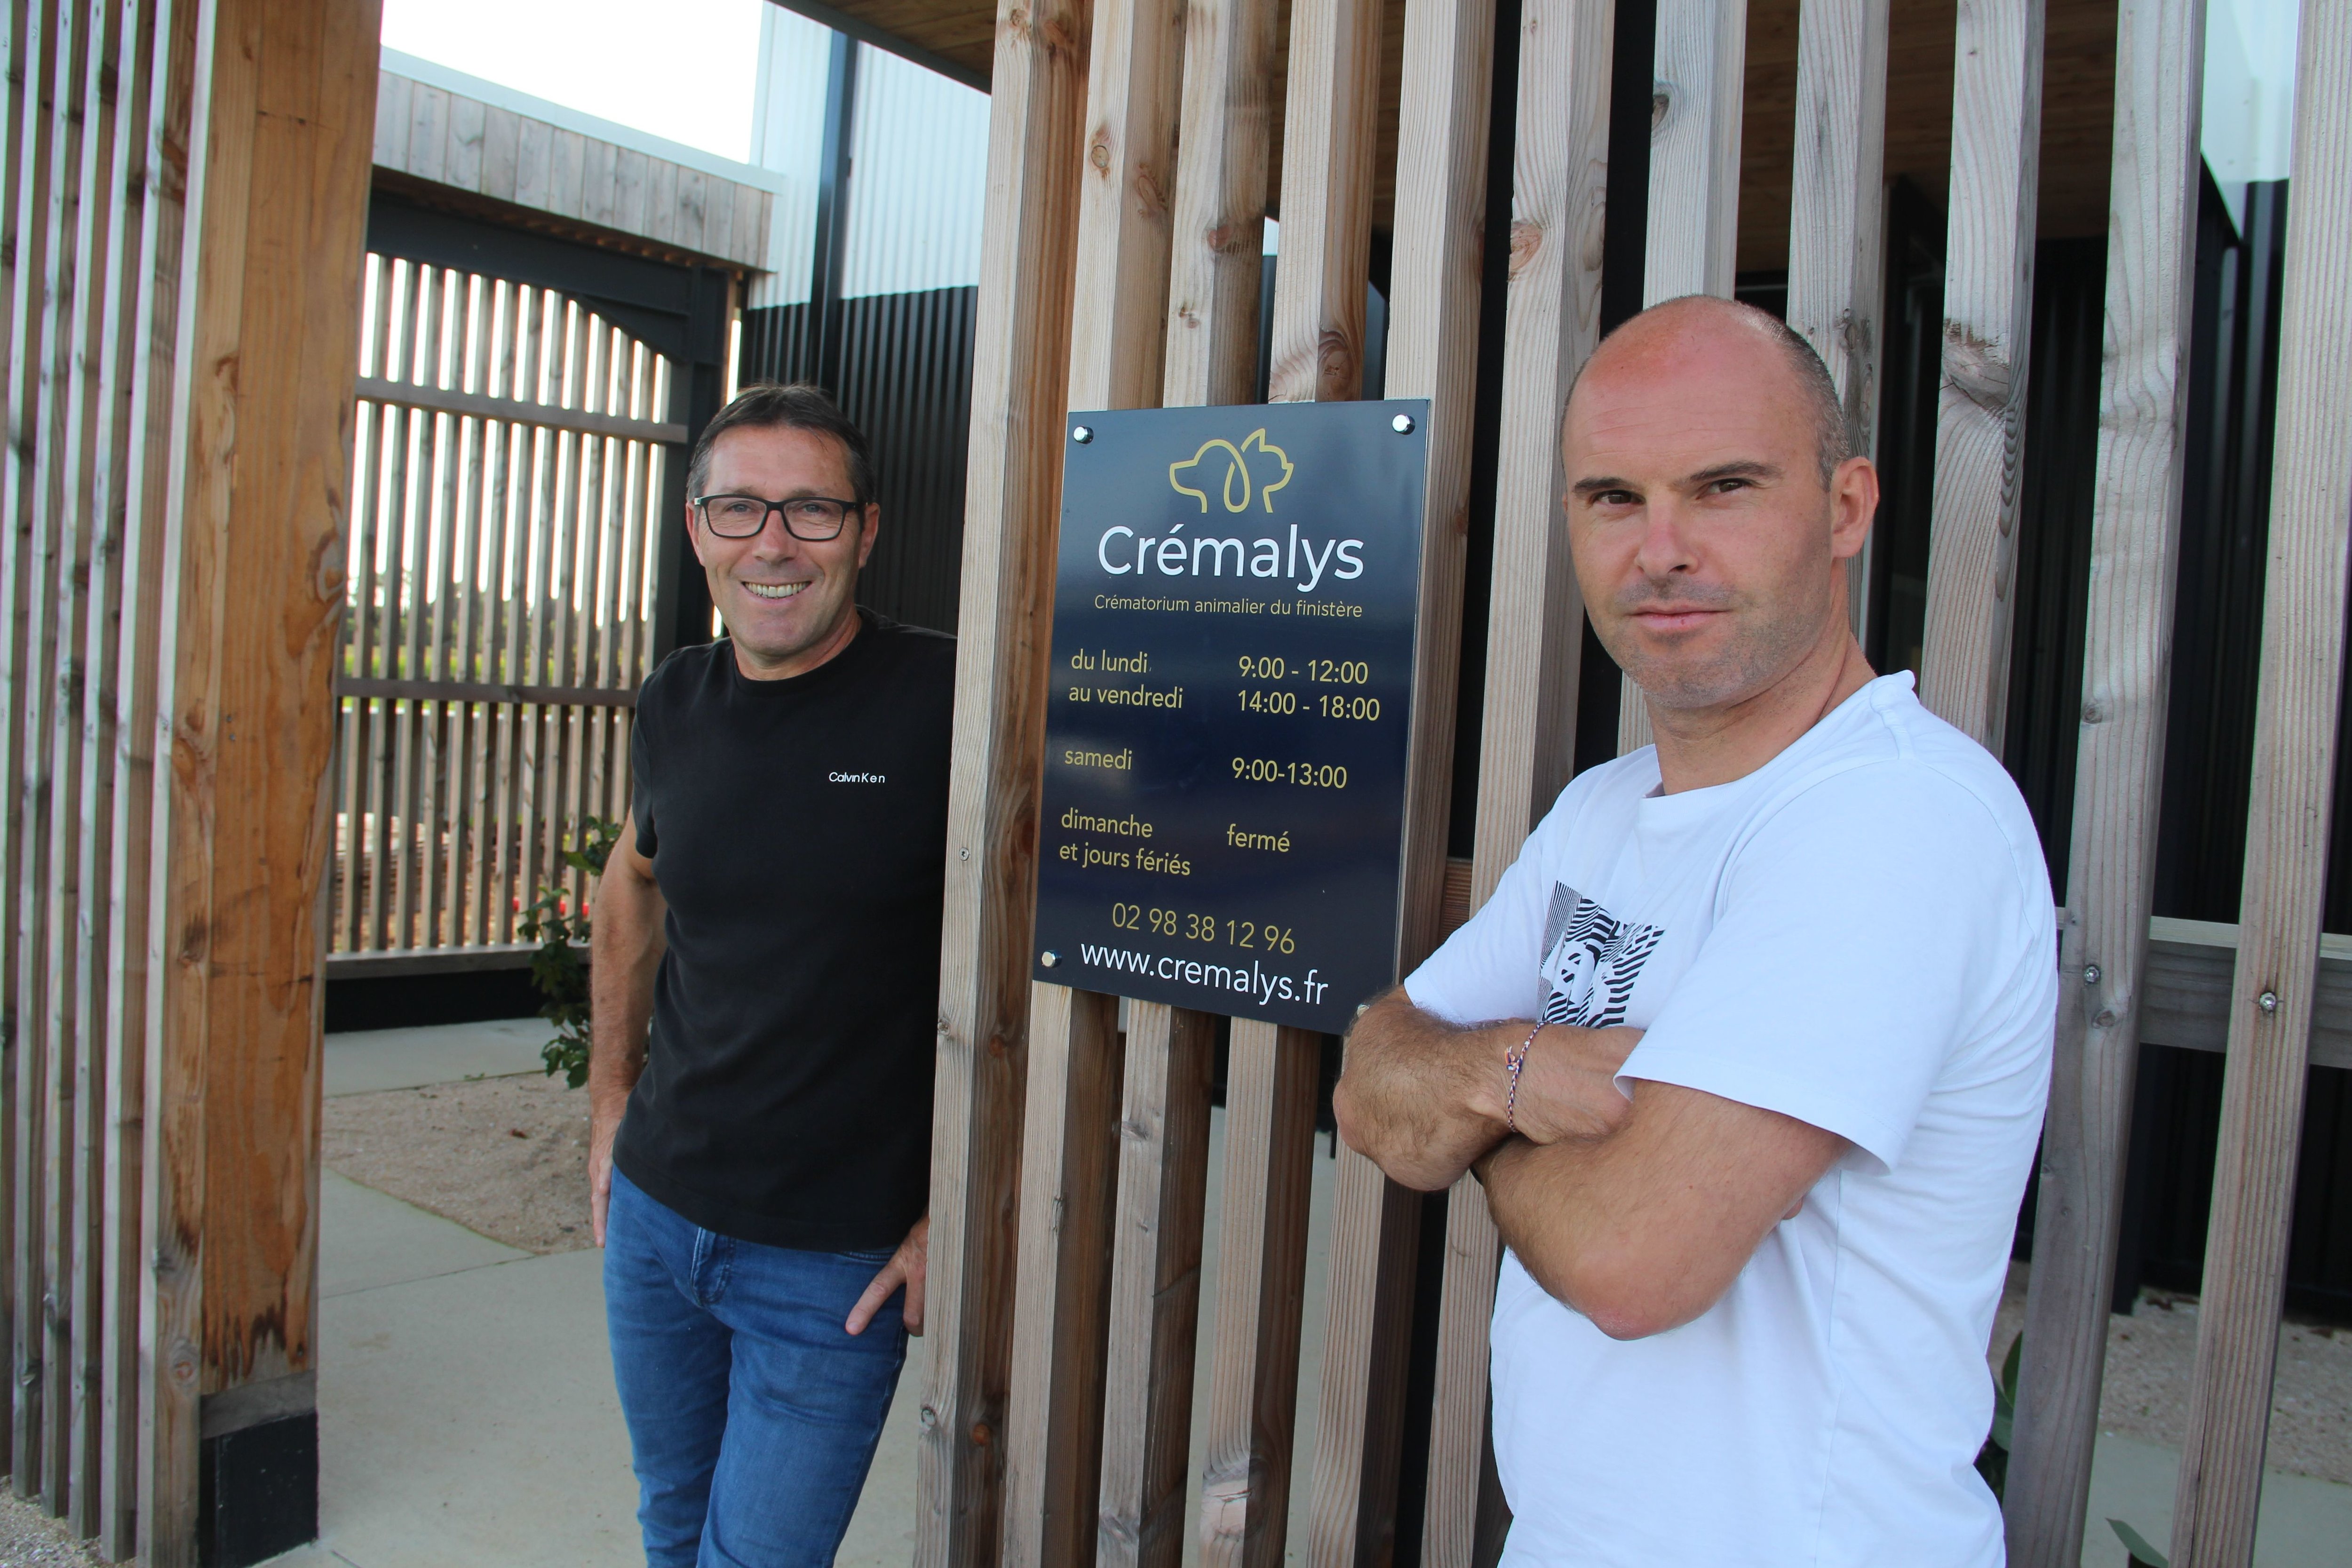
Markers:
point(1836, 242)
point(1271, 1079)
point(1559, 190)
point(1329, 105)
point(1115, 344)
point(1021, 359)
point(2118, 774)
point(1069, 1168)
point(2287, 830)
point(1692, 233)
point(475, 405)
point(1219, 230)
point(1433, 352)
point(279, 200)
point(1988, 326)
point(1155, 1289)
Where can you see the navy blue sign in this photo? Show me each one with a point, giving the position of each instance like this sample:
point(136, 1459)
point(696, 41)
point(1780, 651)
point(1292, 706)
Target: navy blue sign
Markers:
point(1229, 706)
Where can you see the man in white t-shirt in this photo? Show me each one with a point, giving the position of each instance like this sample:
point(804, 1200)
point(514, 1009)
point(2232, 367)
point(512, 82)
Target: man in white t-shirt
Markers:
point(1750, 1045)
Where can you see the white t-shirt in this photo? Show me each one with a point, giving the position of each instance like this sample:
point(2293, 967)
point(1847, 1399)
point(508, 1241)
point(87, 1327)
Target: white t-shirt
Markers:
point(1858, 934)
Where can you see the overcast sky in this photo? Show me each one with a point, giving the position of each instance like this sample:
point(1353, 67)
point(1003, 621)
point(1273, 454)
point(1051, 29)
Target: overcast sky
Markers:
point(681, 68)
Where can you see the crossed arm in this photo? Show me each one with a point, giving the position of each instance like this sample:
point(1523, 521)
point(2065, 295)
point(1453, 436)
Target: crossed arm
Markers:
point(1639, 1214)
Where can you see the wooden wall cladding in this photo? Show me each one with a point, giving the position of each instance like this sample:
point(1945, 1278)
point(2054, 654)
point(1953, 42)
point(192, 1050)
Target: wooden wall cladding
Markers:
point(170, 593)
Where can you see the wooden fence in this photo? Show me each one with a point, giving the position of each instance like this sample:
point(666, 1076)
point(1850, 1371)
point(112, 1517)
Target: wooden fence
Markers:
point(1070, 1165)
point(507, 476)
point(184, 188)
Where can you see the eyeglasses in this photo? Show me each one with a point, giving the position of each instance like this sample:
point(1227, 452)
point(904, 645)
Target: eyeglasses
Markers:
point(812, 518)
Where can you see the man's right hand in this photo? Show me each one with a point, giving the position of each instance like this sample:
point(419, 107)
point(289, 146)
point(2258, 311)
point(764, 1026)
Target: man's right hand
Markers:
point(602, 1130)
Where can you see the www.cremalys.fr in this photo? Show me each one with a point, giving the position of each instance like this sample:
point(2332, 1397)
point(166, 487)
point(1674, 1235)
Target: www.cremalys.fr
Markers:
point(1252, 981)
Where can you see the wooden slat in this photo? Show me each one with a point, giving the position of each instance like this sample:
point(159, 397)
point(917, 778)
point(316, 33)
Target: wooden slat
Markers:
point(1836, 244)
point(2185, 990)
point(161, 87)
point(1069, 1170)
point(1317, 353)
point(261, 465)
point(1694, 208)
point(1021, 357)
point(1432, 353)
point(2287, 829)
point(1062, 1461)
point(1560, 186)
point(2118, 774)
point(1271, 1080)
point(1980, 403)
point(1155, 1289)
point(1220, 221)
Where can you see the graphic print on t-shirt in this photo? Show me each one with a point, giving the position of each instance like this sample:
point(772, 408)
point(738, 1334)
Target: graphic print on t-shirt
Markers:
point(1591, 960)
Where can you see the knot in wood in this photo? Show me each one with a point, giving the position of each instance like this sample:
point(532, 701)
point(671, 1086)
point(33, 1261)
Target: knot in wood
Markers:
point(1099, 154)
point(982, 1435)
point(2094, 712)
point(1662, 103)
point(2105, 1019)
point(1527, 238)
point(1976, 369)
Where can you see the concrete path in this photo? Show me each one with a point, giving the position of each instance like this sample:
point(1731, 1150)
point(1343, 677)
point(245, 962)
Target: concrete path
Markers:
point(468, 1420)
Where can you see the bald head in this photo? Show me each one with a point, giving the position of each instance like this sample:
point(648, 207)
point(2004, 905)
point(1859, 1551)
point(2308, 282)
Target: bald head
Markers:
point(1695, 318)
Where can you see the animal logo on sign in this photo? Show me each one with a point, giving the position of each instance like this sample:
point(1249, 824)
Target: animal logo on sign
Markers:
point(1251, 471)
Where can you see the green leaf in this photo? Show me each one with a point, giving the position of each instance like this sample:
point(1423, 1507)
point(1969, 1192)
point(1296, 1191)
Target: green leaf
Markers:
point(2136, 1544)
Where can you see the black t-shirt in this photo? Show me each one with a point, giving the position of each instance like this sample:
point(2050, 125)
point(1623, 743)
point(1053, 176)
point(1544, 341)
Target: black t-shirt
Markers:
point(798, 829)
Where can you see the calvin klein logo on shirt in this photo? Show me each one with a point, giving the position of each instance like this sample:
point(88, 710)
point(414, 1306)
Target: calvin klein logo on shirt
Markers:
point(856, 778)
point(1591, 960)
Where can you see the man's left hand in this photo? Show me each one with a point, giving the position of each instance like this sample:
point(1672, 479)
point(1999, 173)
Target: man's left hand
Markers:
point(907, 1267)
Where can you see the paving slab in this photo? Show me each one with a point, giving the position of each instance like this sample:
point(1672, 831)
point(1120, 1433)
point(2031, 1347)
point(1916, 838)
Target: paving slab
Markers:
point(2305, 1522)
point(363, 1061)
point(367, 1240)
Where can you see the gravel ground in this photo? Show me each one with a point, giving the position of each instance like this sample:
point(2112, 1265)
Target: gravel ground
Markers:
point(2144, 1394)
point(504, 1156)
point(30, 1538)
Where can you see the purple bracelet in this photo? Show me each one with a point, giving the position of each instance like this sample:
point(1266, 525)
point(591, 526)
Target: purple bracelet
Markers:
point(1512, 1062)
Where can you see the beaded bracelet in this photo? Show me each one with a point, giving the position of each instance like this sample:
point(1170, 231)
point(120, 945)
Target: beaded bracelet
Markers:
point(1512, 1062)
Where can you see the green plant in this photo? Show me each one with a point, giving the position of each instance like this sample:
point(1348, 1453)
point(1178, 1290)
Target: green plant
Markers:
point(1993, 1459)
point(557, 968)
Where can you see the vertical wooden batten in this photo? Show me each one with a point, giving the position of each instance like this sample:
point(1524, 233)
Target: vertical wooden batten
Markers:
point(1980, 400)
point(1214, 265)
point(1117, 343)
point(1691, 238)
point(2303, 603)
point(1021, 360)
point(1559, 213)
point(284, 95)
point(2119, 776)
point(1836, 246)
point(1431, 352)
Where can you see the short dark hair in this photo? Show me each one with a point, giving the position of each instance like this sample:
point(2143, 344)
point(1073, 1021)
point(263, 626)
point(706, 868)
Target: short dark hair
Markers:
point(775, 406)
point(1833, 433)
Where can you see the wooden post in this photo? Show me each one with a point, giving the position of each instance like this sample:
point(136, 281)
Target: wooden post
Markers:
point(2287, 829)
point(1988, 323)
point(1836, 248)
point(2118, 774)
point(1069, 1166)
point(1433, 354)
point(1056, 1411)
point(1155, 1294)
point(1559, 188)
point(1270, 1086)
point(1694, 210)
point(1021, 358)
point(284, 106)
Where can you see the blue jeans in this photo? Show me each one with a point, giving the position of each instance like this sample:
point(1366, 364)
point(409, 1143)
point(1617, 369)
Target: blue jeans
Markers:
point(752, 1415)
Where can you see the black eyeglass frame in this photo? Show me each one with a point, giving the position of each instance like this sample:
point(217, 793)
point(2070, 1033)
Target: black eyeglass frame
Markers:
point(701, 505)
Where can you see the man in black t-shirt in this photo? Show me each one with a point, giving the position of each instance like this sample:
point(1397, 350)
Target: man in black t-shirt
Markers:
point(766, 978)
